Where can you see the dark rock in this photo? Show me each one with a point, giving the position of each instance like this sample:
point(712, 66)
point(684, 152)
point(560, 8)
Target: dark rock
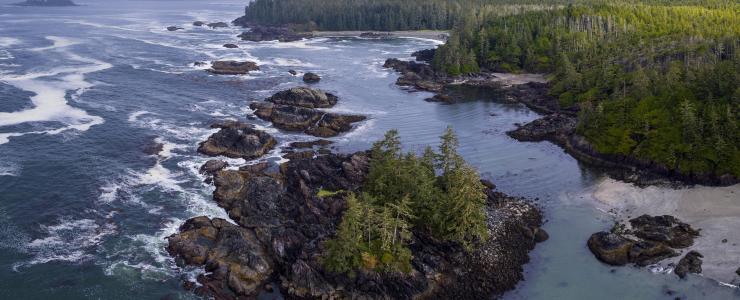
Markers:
point(310, 144)
point(257, 168)
point(418, 75)
point(376, 35)
point(737, 272)
point(540, 235)
point(265, 33)
point(174, 28)
point(232, 255)
point(238, 141)
point(304, 97)
point(231, 46)
point(424, 55)
point(311, 78)
point(153, 148)
point(690, 263)
point(218, 25)
point(230, 67)
point(489, 184)
point(293, 72)
point(300, 155)
point(283, 225)
point(610, 248)
point(656, 239)
point(199, 63)
point(199, 23)
point(664, 229)
point(310, 121)
point(213, 166)
point(548, 127)
point(645, 253)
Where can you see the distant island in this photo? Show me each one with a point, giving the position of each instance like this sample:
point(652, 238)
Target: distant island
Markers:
point(46, 3)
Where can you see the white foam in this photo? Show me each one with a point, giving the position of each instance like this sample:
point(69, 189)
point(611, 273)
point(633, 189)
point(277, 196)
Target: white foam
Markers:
point(8, 41)
point(288, 62)
point(57, 42)
point(50, 103)
point(5, 55)
point(9, 169)
point(70, 240)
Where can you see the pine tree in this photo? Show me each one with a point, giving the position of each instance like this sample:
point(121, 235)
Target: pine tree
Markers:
point(343, 252)
point(465, 207)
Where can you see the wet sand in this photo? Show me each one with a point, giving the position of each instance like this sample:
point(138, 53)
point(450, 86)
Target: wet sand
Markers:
point(714, 210)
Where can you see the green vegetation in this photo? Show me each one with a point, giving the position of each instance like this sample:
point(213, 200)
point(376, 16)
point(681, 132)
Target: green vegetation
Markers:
point(655, 82)
point(403, 194)
point(322, 193)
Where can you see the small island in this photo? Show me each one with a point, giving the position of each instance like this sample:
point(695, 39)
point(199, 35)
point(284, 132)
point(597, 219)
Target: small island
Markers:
point(46, 3)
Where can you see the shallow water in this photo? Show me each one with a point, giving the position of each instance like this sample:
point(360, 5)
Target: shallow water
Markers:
point(84, 212)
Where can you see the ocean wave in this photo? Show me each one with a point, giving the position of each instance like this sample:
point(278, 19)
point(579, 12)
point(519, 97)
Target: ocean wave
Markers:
point(6, 42)
point(6, 55)
point(70, 240)
point(9, 169)
point(50, 103)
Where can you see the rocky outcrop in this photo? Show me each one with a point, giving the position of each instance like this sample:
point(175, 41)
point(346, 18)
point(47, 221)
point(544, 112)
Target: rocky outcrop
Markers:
point(217, 25)
point(231, 46)
point(295, 110)
point(283, 225)
point(310, 144)
point(236, 262)
point(310, 121)
point(376, 35)
point(691, 263)
point(237, 140)
point(230, 67)
point(417, 75)
point(281, 34)
point(311, 78)
point(304, 97)
point(199, 23)
point(550, 127)
point(174, 28)
point(424, 55)
point(650, 240)
point(213, 166)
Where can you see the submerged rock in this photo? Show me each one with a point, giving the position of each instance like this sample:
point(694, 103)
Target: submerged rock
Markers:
point(293, 72)
point(304, 97)
point(238, 141)
point(231, 46)
point(218, 25)
point(174, 28)
point(311, 78)
point(199, 23)
point(230, 67)
point(690, 263)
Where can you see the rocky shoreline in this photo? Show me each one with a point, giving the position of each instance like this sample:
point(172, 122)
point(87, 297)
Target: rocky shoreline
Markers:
point(557, 126)
point(280, 220)
point(282, 223)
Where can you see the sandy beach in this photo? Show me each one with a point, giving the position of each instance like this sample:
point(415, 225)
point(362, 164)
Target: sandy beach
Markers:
point(714, 210)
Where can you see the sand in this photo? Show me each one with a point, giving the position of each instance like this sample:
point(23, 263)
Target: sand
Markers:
point(714, 210)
